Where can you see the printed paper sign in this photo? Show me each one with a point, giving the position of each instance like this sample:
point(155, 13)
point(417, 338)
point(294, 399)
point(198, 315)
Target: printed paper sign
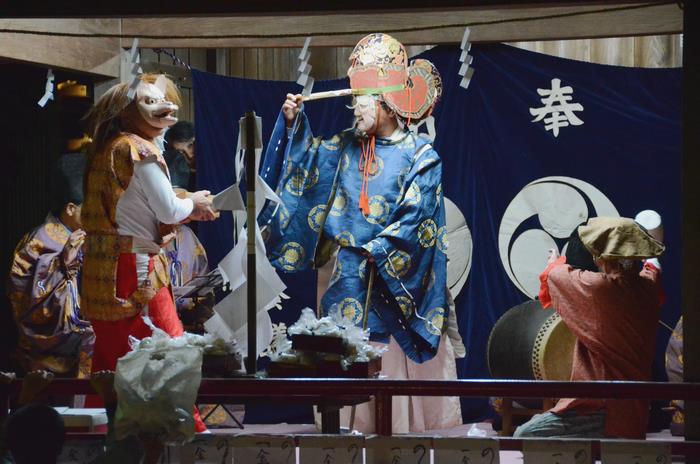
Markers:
point(625, 452)
point(465, 451)
point(398, 450)
point(81, 451)
point(264, 450)
point(206, 450)
point(556, 452)
point(331, 450)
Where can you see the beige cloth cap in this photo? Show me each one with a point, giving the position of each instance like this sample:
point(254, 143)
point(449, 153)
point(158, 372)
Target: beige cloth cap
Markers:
point(618, 238)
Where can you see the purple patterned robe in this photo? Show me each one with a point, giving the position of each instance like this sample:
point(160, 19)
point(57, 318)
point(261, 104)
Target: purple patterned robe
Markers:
point(43, 291)
point(187, 259)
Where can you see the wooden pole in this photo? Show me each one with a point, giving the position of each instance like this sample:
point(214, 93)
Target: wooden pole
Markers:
point(250, 175)
point(690, 191)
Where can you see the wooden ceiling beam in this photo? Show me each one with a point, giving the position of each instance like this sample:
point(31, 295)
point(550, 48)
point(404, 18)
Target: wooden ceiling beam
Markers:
point(97, 56)
point(657, 19)
point(162, 8)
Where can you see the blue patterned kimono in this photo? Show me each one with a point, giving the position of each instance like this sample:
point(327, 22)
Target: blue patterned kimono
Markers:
point(319, 182)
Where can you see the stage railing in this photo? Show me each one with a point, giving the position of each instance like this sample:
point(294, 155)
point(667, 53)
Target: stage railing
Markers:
point(218, 390)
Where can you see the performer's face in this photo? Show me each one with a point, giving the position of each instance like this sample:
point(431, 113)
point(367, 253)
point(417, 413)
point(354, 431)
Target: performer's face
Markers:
point(365, 110)
point(71, 216)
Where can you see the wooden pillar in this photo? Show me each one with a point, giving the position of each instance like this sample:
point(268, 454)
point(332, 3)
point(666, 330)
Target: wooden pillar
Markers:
point(383, 414)
point(691, 211)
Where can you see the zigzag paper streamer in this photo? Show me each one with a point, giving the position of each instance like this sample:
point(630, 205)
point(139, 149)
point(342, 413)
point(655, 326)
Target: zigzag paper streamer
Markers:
point(304, 69)
point(135, 59)
point(466, 71)
point(48, 89)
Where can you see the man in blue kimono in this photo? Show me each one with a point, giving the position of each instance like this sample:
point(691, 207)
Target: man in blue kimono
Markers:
point(373, 195)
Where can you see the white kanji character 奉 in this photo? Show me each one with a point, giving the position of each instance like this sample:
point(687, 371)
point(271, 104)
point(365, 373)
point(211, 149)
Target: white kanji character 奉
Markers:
point(556, 102)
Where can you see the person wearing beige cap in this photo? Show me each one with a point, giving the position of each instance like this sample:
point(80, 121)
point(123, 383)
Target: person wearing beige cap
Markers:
point(614, 314)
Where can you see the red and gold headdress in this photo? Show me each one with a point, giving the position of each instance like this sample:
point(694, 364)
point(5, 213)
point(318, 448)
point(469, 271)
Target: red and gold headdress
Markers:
point(379, 65)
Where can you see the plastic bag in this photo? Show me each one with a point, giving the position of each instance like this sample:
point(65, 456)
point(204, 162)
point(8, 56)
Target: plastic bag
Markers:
point(156, 385)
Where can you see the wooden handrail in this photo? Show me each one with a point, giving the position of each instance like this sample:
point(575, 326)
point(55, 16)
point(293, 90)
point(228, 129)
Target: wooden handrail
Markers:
point(383, 390)
point(464, 387)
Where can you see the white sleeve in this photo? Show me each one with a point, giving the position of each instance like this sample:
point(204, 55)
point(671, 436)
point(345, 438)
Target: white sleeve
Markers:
point(168, 208)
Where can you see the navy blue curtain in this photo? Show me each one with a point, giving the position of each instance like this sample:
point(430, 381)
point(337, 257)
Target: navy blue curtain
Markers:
point(625, 153)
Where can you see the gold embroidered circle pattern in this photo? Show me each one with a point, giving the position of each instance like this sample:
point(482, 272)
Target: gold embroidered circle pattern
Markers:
point(301, 180)
point(402, 177)
point(413, 196)
point(406, 305)
point(398, 264)
point(316, 216)
point(292, 254)
point(376, 169)
point(378, 210)
point(435, 320)
point(340, 203)
point(427, 232)
point(345, 239)
point(351, 309)
point(442, 239)
point(332, 143)
point(283, 213)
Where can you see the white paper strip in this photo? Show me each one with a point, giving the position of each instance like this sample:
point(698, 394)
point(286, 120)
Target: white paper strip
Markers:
point(305, 48)
point(308, 87)
point(301, 80)
point(466, 80)
point(465, 53)
point(48, 89)
point(134, 50)
point(304, 67)
point(465, 38)
point(306, 56)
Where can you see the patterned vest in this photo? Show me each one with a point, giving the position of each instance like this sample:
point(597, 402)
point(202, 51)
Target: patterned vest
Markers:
point(108, 175)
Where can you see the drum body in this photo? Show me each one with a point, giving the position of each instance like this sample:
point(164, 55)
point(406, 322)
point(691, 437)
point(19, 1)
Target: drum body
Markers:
point(530, 343)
